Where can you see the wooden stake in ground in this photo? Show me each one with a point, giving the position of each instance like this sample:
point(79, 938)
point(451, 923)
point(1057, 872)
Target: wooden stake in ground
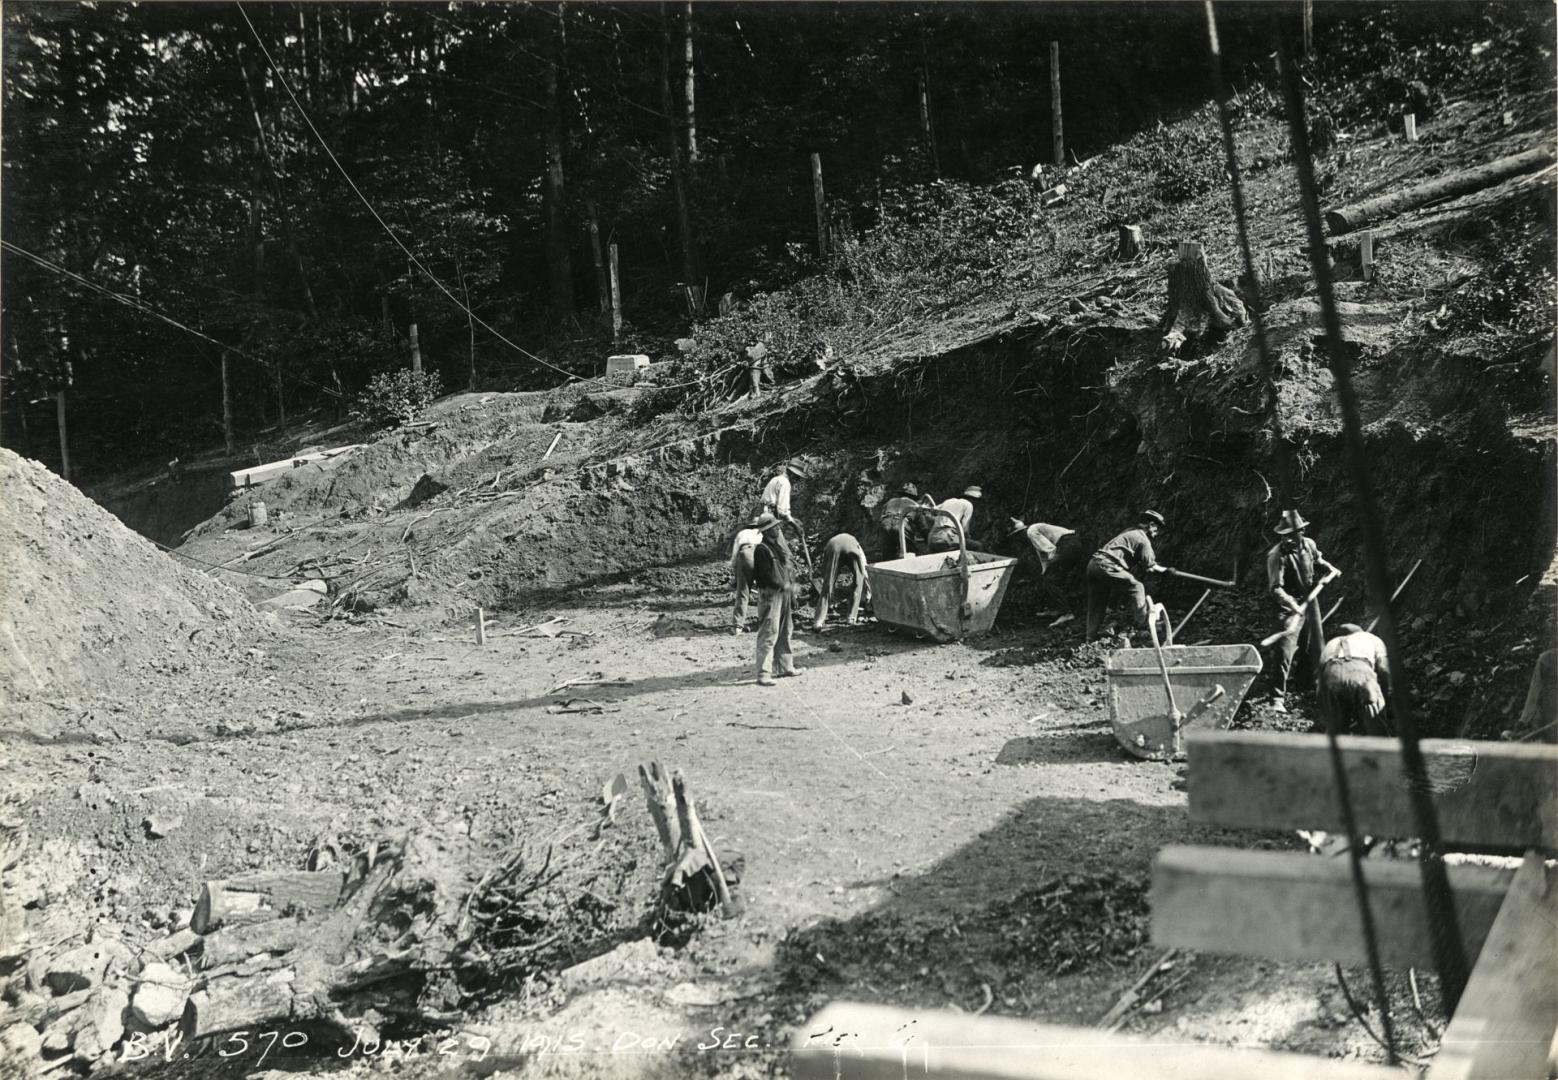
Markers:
point(821, 204)
point(616, 298)
point(1409, 127)
point(1130, 242)
point(481, 627)
point(1196, 303)
point(1366, 255)
point(1056, 127)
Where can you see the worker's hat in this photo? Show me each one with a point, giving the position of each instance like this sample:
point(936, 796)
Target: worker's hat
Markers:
point(1292, 522)
point(1015, 526)
point(795, 468)
point(765, 521)
point(973, 491)
point(1348, 628)
point(908, 488)
point(1153, 515)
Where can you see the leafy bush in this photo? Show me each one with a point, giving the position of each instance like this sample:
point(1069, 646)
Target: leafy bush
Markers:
point(398, 395)
point(1515, 292)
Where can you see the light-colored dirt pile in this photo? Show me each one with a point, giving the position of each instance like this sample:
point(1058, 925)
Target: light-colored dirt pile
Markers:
point(85, 601)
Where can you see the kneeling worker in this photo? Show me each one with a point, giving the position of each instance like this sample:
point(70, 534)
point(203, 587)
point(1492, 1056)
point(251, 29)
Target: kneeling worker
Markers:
point(845, 549)
point(1355, 682)
point(1116, 569)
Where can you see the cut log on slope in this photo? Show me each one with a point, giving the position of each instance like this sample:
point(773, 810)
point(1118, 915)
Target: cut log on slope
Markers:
point(262, 896)
point(1347, 218)
point(1472, 210)
point(1196, 303)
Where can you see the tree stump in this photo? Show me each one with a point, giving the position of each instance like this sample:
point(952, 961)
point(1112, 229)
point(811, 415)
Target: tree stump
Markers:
point(1196, 303)
point(1130, 242)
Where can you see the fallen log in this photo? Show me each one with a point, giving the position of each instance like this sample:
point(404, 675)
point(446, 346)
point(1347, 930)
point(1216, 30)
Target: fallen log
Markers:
point(262, 896)
point(1469, 211)
point(1347, 218)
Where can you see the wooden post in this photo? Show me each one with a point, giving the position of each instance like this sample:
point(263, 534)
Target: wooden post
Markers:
point(1130, 242)
point(616, 298)
point(227, 407)
point(481, 627)
point(821, 204)
point(1409, 126)
point(1366, 254)
point(59, 412)
point(1054, 103)
point(416, 351)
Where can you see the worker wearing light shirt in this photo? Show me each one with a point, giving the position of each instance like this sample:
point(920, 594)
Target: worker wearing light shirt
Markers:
point(776, 496)
point(742, 567)
point(1355, 682)
point(943, 534)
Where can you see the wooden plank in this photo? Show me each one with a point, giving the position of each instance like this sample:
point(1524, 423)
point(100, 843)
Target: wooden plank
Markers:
point(1291, 906)
point(1505, 1023)
point(1489, 796)
point(851, 1041)
point(260, 473)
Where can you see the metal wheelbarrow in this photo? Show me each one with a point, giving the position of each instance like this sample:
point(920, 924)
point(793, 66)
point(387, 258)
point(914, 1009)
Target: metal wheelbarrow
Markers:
point(1156, 693)
point(943, 596)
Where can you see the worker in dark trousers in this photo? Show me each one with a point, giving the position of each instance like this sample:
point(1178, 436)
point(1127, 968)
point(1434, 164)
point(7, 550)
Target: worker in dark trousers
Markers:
point(908, 503)
point(1059, 551)
point(1355, 682)
point(1292, 568)
point(774, 576)
point(943, 534)
point(841, 550)
point(1115, 572)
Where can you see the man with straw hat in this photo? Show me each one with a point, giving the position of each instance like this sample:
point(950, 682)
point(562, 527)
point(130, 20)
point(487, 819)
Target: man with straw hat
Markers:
point(776, 494)
point(943, 534)
point(774, 577)
point(1292, 568)
point(1116, 569)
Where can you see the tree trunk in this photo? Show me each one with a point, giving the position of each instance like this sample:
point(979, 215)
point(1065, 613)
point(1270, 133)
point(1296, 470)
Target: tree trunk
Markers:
point(262, 896)
point(616, 298)
point(263, 153)
point(673, 147)
point(1195, 301)
point(690, 91)
point(59, 415)
point(1057, 128)
point(820, 202)
point(602, 287)
point(558, 264)
point(927, 129)
point(227, 407)
point(1347, 218)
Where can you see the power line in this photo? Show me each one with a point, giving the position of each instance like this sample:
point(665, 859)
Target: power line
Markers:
point(151, 311)
point(410, 256)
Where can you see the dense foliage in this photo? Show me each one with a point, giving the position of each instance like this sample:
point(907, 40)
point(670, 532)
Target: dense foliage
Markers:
point(185, 162)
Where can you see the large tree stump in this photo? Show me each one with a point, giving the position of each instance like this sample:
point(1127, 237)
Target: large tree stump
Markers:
point(1196, 303)
point(1130, 242)
point(262, 896)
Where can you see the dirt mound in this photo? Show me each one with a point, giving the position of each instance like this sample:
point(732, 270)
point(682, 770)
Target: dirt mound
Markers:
point(87, 601)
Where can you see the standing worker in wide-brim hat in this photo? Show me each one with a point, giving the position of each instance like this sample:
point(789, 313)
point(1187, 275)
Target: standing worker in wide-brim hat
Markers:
point(1293, 566)
point(943, 534)
point(776, 494)
point(1115, 572)
point(774, 575)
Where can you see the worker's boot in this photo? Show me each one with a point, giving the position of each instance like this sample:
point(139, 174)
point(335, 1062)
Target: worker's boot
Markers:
point(765, 679)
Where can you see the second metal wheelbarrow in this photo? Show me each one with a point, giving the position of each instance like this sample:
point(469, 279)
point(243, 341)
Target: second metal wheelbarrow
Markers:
point(1156, 693)
point(944, 596)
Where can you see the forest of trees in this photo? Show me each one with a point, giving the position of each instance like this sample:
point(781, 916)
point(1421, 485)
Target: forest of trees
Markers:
point(183, 163)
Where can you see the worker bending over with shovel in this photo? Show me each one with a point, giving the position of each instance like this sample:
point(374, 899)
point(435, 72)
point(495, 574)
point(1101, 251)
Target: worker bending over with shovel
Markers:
point(1294, 567)
point(773, 572)
point(1355, 682)
point(743, 570)
point(1115, 571)
point(841, 549)
point(943, 534)
point(1058, 550)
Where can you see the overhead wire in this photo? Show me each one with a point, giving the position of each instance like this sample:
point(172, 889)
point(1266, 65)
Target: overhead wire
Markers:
point(410, 255)
point(1444, 929)
point(146, 309)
